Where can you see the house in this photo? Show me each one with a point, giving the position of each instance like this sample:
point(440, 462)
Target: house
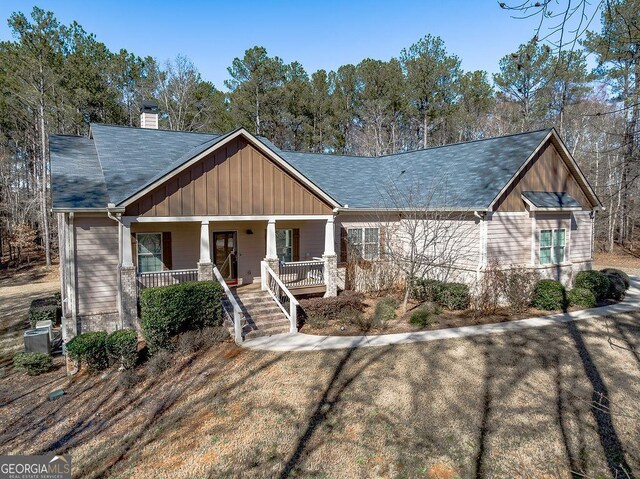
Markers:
point(140, 207)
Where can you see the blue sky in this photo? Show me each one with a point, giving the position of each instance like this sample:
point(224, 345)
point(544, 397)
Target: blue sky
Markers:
point(323, 34)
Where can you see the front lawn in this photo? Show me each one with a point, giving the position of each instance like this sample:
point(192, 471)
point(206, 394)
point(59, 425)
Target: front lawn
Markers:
point(539, 403)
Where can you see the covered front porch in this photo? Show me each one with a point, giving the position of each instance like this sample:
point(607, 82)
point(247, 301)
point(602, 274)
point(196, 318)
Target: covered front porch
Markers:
point(165, 251)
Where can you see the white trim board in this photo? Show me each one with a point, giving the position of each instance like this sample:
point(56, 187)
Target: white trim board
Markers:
point(199, 219)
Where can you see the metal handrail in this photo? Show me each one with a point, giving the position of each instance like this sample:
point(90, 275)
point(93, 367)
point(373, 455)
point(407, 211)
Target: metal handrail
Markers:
point(279, 287)
point(237, 311)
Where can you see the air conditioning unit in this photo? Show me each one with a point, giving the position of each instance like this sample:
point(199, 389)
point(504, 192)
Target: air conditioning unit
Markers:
point(48, 325)
point(37, 341)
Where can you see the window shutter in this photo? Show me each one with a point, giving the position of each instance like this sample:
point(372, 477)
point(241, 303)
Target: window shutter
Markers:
point(166, 250)
point(383, 241)
point(343, 245)
point(295, 246)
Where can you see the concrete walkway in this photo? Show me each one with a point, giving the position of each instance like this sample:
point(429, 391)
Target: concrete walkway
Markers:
point(308, 342)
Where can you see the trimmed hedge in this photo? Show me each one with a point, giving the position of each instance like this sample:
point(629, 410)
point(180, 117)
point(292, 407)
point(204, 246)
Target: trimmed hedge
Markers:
point(90, 348)
point(428, 289)
point(595, 281)
point(122, 348)
point(549, 295)
point(450, 295)
point(170, 310)
point(582, 297)
point(385, 310)
point(44, 309)
point(612, 272)
point(455, 296)
point(33, 363)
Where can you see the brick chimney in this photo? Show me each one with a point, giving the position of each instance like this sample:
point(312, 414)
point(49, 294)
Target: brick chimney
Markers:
point(149, 115)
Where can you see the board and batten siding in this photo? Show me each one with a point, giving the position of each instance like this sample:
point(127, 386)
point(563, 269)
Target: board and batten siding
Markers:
point(236, 179)
point(581, 236)
point(96, 248)
point(546, 172)
point(509, 239)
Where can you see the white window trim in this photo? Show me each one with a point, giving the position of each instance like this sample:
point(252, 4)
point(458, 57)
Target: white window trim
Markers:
point(138, 250)
point(552, 247)
point(364, 242)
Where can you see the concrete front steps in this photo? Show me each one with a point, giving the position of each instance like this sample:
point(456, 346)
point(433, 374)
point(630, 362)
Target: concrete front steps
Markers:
point(262, 315)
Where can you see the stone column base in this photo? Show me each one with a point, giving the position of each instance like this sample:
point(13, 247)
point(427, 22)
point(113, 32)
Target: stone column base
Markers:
point(128, 297)
point(274, 264)
point(330, 275)
point(205, 271)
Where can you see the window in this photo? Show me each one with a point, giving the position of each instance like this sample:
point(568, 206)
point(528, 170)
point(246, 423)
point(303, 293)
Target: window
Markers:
point(552, 246)
point(364, 243)
point(284, 245)
point(149, 252)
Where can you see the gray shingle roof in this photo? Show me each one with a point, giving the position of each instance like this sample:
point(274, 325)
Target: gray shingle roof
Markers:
point(551, 199)
point(120, 161)
point(76, 176)
point(463, 175)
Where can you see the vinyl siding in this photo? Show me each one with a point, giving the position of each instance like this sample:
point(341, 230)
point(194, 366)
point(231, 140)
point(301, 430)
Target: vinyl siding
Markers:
point(96, 246)
point(509, 239)
point(581, 236)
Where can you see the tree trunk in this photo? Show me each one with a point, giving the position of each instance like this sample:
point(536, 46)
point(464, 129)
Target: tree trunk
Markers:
point(43, 200)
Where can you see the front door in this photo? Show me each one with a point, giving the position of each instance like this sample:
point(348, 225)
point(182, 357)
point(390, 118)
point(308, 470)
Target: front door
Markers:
point(225, 255)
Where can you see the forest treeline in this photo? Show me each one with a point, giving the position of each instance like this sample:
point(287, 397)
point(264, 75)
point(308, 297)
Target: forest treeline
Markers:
point(58, 78)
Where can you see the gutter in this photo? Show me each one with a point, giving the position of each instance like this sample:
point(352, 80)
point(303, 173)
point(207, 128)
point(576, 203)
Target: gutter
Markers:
point(346, 209)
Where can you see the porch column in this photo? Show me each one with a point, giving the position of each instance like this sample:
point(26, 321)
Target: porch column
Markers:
point(205, 267)
point(272, 254)
point(330, 260)
point(128, 287)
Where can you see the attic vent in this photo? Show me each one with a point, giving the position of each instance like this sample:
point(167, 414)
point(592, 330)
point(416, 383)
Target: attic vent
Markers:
point(149, 115)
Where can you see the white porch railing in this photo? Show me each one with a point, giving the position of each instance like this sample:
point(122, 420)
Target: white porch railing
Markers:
point(282, 296)
point(302, 273)
point(235, 315)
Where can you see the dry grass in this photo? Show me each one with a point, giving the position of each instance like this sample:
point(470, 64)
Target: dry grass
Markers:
point(506, 406)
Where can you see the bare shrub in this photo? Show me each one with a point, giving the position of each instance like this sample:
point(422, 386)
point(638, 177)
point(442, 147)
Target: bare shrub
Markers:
point(517, 285)
point(128, 379)
point(486, 296)
point(160, 362)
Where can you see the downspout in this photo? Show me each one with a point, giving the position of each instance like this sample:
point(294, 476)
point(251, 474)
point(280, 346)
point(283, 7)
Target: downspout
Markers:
point(483, 239)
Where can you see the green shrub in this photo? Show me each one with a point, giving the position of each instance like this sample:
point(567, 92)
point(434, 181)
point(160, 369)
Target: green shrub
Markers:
point(33, 363)
point(344, 307)
point(455, 296)
point(425, 315)
point(582, 297)
point(595, 281)
point(43, 309)
point(549, 295)
point(170, 310)
point(617, 288)
point(90, 348)
point(122, 348)
point(428, 290)
point(612, 272)
point(385, 310)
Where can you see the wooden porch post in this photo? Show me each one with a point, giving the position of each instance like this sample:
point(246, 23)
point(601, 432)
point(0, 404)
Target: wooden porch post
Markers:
point(205, 267)
point(271, 257)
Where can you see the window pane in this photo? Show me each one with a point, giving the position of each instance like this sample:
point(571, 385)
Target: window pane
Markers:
point(545, 238)
point(150, 243)
point(371, 235)
point(371, 251)
point(545, 255)
point(355, 235)
point(558, 239)
point(149, 263)
point(559, 254)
